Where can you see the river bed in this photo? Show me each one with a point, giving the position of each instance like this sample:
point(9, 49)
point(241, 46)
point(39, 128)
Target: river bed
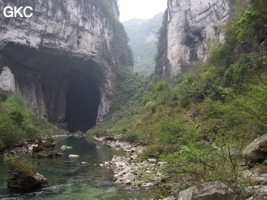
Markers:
point(75, 178)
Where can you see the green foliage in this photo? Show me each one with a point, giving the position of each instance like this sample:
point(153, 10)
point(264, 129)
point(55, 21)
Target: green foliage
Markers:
point(244, 27)
point(175, 133)
point(154, 150)
point(3, 96)
point(130, 137)
point(16, 122)
point(201, 120)
point(21, 165)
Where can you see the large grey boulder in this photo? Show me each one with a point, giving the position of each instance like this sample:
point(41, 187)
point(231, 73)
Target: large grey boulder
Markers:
point(208, 191)
point(257, 150)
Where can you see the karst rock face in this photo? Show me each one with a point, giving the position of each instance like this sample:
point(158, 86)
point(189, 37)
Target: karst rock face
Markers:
point(60, 59)
point(191, 24)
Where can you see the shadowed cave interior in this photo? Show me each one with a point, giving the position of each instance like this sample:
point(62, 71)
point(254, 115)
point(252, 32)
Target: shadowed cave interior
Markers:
point(82, 101)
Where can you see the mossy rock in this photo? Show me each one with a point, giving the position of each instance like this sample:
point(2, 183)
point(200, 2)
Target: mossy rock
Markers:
point(25, 178)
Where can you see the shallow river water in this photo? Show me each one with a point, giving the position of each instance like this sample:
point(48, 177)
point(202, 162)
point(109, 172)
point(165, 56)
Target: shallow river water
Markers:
point(70, 179)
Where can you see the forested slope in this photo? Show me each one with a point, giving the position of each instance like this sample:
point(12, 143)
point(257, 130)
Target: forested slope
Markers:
point(202, 119)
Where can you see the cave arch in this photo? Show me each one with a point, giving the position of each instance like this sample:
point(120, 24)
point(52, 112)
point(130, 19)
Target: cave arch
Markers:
point(70, 91)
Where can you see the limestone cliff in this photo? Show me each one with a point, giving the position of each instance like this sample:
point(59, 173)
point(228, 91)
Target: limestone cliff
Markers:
point(61, 59)
point(190, 26)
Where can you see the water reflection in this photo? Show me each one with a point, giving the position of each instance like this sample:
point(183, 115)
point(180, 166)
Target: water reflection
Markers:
point(75, 178)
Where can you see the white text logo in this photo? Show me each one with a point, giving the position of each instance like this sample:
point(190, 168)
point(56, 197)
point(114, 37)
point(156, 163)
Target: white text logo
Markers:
point(18, 12)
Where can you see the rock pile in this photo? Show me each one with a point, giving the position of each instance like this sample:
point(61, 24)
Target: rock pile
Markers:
point(117, 143)
point(129, 172)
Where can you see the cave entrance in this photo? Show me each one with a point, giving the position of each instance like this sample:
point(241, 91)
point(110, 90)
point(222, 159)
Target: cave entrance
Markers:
point(82, 101)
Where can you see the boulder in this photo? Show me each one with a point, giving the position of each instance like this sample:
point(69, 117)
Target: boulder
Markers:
point(256, 151)
point(20, 177)
point(45, 149)
point(208, 191)
point(118, 137)
point(40, 152)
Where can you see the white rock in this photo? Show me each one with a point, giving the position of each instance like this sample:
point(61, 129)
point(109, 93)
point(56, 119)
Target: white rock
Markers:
point(73, 156)
point(64, 147)
point(152, 160)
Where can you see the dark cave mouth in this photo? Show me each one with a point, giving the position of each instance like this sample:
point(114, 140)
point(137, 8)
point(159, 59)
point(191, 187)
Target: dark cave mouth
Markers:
point(82, 102)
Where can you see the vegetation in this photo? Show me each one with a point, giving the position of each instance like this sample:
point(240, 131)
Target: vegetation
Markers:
point(18, 123)
point(201, 120)
point(21, 165)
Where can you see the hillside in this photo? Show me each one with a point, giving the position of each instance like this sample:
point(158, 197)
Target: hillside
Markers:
point(143, 36)
point(201, 120)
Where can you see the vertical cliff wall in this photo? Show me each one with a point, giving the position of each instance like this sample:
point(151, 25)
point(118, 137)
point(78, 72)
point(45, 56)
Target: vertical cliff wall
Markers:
point(60, 59)
point(190, 26)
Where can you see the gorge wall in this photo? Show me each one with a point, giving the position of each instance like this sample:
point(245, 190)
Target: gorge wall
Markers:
point(60, 59)
point(190, 24)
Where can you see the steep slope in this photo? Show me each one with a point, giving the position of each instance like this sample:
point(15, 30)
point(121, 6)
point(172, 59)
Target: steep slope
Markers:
point(143, 36)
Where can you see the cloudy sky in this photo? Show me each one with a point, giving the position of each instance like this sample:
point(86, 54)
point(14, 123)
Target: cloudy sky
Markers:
point(141, 9)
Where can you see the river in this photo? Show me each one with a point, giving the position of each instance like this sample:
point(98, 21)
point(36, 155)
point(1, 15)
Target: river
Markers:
point(77, 178)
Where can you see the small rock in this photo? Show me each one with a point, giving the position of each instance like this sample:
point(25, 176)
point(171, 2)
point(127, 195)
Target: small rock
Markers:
point(152, 160)
point(134, 157)
point(148, 184)
point(64, 147)
point(73, 156)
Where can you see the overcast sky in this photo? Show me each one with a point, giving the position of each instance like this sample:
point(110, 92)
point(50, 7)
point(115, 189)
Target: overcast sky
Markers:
point(140, 9)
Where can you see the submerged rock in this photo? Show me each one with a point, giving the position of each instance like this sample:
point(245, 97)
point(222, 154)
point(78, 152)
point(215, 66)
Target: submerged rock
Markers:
point(23, 178)
point(45, 153)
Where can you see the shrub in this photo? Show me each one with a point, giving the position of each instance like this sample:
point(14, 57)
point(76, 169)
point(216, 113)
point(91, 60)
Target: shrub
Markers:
point(131, 137)
point(154, 150)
